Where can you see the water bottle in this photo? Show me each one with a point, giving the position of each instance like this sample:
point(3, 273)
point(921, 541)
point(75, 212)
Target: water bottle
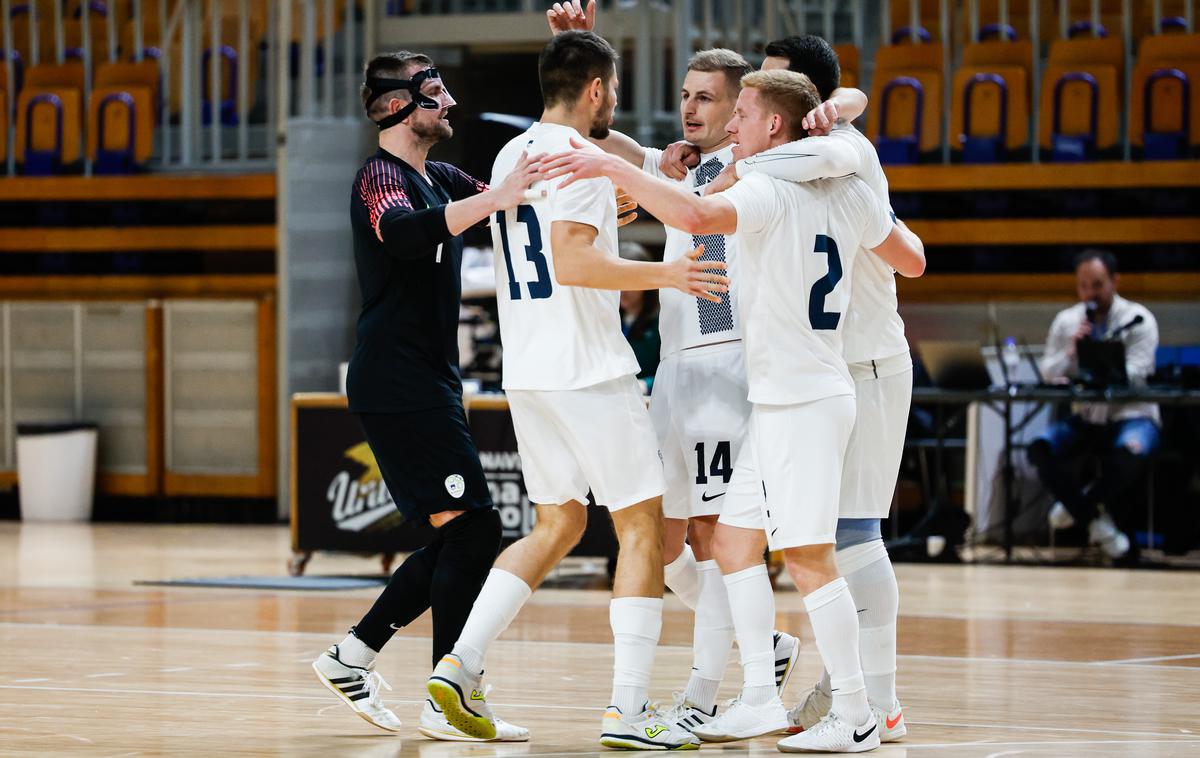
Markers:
point(1011, 356)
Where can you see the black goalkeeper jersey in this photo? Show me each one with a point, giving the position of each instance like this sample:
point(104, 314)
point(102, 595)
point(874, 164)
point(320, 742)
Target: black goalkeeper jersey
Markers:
point(406, 353)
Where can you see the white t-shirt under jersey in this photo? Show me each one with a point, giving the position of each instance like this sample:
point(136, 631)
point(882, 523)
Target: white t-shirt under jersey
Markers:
point(685, 321)
point(874, 329)
point(555, 337)
point(798, 245)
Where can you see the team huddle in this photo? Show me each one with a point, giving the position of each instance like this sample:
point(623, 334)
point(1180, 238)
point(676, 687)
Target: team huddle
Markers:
point(777, 417)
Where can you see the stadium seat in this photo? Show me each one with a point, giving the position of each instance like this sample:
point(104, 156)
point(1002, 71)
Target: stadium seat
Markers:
point(994, 83)
point(907, 92)
point(848, 60)
point(929, 17)
point(69, 73)
point(1165, 83)
point(121, 133)
point(48, 129)
point(1080, 101)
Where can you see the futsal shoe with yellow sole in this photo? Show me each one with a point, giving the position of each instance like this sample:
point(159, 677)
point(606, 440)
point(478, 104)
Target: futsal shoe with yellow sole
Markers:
point(435, 726)
point(647, 730)
point(461, 696)
point(833, 734)
point(357, 687)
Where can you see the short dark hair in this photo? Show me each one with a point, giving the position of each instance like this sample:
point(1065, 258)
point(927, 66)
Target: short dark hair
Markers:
point(395, 65)
point(812, 56)
point(1106, 258)
point(733, 65)
point(570, 61)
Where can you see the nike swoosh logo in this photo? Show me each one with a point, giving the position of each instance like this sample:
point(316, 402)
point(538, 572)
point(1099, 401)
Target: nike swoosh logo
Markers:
point(706, 498)
point(860, 737)
point(892, 724)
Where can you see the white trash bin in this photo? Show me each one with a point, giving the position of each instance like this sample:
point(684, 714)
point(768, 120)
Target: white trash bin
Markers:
point(56, 470)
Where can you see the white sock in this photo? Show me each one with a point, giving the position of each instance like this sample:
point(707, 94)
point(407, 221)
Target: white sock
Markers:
point(501, 598)
point(682, 578)
point(835, 625)
point(752, 604)
point(636, 624)
point(712, 638)
point(355, 652)
point(872, 583)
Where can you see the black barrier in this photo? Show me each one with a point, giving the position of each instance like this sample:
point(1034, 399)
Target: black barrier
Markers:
point(342, 505)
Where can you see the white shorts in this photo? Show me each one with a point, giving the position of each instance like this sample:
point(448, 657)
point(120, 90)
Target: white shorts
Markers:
point(883, 393)
point(700, 412)
point(598, 438)
point(793, 456)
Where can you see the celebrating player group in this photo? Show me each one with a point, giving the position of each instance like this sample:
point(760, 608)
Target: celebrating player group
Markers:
point(776, 421)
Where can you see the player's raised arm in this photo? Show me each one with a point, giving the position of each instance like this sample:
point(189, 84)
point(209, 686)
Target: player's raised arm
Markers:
point(843, 106)
point(579, 263)
point(411, 233)
point(668, 203)
point(805, 160)
point(623, 146)
point(903, 251)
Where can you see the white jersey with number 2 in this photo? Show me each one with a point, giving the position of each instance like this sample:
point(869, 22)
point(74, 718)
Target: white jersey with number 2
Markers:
point(797, 247)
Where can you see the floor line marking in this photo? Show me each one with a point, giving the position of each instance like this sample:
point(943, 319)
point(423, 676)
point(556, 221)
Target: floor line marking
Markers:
point(596, 708)
point(1126, 661)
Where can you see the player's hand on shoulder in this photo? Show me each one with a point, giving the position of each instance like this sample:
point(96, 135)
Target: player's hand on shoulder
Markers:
point(677, 158)
point(570, 16)
point(702, 279)
point(514, 190)
point(820, 120)
point(723, 181)
point(579, 163)
point(626, 208)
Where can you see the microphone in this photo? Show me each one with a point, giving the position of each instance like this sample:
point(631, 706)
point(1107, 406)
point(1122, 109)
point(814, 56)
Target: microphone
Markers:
point(1136, 320)
point(1091, 311)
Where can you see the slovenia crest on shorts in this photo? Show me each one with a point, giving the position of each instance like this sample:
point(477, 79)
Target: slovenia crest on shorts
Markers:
point(456, 485)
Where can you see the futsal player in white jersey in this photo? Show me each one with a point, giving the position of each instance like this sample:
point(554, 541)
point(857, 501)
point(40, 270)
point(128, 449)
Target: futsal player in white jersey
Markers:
point(877, 352)
point(797, 248)
point(578, 412)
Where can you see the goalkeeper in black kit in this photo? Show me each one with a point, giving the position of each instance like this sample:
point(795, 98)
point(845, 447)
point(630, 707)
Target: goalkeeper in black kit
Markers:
point(408, 215)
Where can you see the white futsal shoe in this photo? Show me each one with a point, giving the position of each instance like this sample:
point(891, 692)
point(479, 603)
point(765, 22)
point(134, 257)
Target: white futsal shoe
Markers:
point(683, 715)
point(806, 713)
point(357, 687)
point(833, 734)
point(891, 722)
point(787, 651)
point(647, 730)
point(1059, 517)
point(741, 721)
point(462, 697)
point(435, 726)
point(1103, 532)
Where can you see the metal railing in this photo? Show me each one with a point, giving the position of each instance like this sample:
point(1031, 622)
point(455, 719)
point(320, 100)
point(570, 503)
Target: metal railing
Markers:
point(231, 72)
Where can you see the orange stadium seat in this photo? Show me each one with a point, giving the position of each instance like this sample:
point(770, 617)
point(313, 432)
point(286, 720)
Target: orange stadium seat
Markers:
point(1079, 18)
point(121, 133)
point(48, 129)
point(930, 19)
point(907, 93)
point(1081, 96)
point(991, 88)
point(66, 74)
point(848, 60)
point(1165, 83)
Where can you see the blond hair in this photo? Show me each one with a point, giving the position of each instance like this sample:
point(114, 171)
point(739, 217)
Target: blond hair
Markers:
point(787, 93)
point(733, 65)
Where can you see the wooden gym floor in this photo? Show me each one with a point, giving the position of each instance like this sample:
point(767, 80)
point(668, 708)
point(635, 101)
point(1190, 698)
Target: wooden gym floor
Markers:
point(994, 660)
